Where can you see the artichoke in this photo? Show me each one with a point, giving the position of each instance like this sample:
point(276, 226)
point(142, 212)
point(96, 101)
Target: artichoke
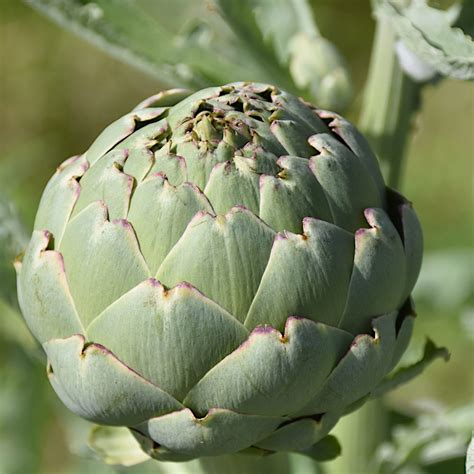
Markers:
point(221, 272)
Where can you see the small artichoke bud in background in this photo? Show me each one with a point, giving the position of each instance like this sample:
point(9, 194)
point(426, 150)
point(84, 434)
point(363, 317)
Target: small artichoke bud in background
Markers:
point(316, 66)
point(221, 271)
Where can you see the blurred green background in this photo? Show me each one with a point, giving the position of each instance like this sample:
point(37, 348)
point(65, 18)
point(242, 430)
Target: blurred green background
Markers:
point(57, 92)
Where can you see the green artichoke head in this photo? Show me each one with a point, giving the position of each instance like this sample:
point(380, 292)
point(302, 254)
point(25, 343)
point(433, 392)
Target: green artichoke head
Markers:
point(221, 271)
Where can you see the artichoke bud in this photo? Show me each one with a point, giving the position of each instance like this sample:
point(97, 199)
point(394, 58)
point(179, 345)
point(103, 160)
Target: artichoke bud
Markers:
point(317, 67)
point(212, 271)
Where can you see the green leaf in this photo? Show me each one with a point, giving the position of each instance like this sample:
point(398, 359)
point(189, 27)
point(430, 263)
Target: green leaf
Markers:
point(116, 445)
point(263, 28)
point(185, 43)
point(403, 375)
point(124, 29)
point(282, 35)
point(13, 240)
point(434, 440)
point(427, 34)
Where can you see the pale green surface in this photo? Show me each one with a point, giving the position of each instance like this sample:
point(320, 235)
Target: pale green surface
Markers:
point(117, 446)
point(358, 371)
point(329, 273)
point(292, 195)
point(156, 201)
point(381, 285)
point(348, 186)
point(106, 182)
point(150, 320)
point(44, 295)
point(102, 260)
point(214, 251)
point(300, 435)
point(220, 432)
point(59, 198)
point(92, 382)
point(287, 371)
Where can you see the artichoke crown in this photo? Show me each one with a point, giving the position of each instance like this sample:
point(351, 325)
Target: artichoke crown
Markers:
point(220, 271)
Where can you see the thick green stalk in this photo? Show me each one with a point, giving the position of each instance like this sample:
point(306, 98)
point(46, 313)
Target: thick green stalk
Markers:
point(237, 464)
point(390, 102)
point(359, 433)
point(280, 463)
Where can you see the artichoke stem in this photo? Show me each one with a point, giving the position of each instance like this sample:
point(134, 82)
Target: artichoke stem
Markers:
point(279, 463)
point(359, 435)
point(391, 101)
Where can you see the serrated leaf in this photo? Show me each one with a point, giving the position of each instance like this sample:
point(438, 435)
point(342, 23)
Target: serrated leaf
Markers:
point(427, 33)
point(403, 375)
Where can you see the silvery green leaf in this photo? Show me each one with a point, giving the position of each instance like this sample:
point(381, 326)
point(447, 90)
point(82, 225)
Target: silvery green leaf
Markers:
point(434, 437)
point(428, 34)
point(405, 374)
point(126, 30)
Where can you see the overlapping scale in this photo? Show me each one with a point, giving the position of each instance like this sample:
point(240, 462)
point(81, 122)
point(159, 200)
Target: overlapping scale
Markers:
point(358, 372)
point(292, 137)
point(170, 165)
point(349, 187)
point(300, 434)
point(59, 198)
point(223, 256)
point(159, 214)
point(290, 196)
point(379, 273)
point(307, 275)
point(230, 184)
point(182, 432)
point(102, 260)
point(106, 182)
point(138, 163)
point(288, 370)
point(171, 337)
point(43, 291)
point(95, 385)
point(357, 144)
point(121, 129)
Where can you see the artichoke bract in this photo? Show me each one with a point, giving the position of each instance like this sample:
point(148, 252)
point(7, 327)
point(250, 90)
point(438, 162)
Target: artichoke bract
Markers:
point(221, 271)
